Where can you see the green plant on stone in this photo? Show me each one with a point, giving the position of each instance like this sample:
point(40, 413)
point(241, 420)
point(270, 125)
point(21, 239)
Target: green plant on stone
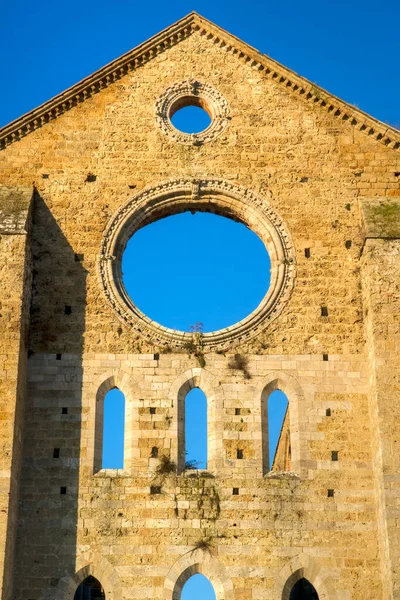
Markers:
point(203, 544)
point(190, 347)
point(192, 464)
point(166, 466)
point(200, 359)
point(240, 363)
point(195, 345)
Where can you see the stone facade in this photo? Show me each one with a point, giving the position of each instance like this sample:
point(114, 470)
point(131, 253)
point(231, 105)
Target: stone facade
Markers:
point(319, 181)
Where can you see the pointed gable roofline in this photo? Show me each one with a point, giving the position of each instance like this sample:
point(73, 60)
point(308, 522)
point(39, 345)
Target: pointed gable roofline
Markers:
point(387, 135)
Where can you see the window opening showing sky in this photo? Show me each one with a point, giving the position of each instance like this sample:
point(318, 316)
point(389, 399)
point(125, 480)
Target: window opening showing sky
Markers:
point(198, 587)
point(196, 429)
point(113, 430)
point(189, 268)
point(277, 406)
point(191, 119)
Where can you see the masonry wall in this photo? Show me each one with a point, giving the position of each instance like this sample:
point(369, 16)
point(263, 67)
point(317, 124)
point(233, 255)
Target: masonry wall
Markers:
point(255, 534)
point(380, 266)
point(15, 288)
point(313, 170)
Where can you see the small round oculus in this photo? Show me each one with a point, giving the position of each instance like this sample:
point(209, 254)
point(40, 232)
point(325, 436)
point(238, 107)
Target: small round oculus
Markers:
point(191, 119)
point(192, 96)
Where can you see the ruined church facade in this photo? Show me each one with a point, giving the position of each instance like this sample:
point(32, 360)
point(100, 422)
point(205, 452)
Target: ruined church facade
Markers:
point(319, 182)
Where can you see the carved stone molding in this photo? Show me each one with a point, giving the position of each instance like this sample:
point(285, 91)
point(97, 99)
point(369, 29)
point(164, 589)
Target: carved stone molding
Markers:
point(192, 93)
point(206, 195)
point(198, 561)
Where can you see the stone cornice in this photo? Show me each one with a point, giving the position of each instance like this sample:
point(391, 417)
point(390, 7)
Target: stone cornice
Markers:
point(299, 85)
point(96, 82)
point(317, 96)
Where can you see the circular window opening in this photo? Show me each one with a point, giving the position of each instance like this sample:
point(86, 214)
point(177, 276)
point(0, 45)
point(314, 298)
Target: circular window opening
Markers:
point(196, 271)
point(190, 115)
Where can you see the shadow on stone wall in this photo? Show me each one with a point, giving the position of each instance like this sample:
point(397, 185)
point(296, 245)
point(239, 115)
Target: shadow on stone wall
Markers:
point(48, 515)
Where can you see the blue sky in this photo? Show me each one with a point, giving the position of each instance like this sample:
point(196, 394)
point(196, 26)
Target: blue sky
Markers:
point(212, 270)
point(350, 48)
point(114, 430)
point(198, 588)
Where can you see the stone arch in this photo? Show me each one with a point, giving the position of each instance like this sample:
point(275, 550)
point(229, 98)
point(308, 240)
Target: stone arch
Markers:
point(198, 561)
point(208, 195)
point(90, 564)
point(106, 381)
point(198, 378)
point(305, 566)
point(279, 380)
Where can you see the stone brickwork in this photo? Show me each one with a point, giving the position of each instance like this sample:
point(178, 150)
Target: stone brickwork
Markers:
point(282, 459)
point(319, 182)
point(15, 286)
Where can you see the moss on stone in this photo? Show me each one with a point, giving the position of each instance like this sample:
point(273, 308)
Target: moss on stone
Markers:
point(382, 218)
point(14, 206)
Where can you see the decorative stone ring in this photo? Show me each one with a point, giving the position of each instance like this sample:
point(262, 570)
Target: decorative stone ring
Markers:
point(192, 93)
point(208, 195)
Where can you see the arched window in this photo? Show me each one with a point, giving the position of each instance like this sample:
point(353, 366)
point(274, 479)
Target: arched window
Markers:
point(202, 425)
point(90, 589)
point(113, 430)
point(197, 587)
point(195, 436)
point(276, 432)
point(303, 590)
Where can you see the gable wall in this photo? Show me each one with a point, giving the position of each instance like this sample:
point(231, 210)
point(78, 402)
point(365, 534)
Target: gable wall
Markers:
point(273, 141)
point(313, 170)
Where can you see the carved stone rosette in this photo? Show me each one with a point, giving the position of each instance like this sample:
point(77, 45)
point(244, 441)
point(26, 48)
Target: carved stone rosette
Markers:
point(192, 93)
point(206, 195)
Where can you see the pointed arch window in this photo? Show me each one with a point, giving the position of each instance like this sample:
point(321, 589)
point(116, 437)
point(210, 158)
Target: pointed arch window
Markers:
point(195, 391)
point(195, 430)
point(90, 589)
point(198, 587)
point(276, 446)
point(110, 431)
point(303, 590)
